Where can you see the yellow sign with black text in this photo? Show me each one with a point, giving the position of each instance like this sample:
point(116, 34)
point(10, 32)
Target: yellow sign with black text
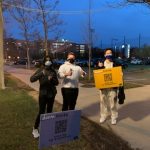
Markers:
point(108, 78)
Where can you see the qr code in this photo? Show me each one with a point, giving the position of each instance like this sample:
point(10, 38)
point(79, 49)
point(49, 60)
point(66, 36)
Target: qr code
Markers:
point(60, 126)
point(108, 77)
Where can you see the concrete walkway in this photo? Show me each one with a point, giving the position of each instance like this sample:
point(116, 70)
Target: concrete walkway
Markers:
point(134, 116)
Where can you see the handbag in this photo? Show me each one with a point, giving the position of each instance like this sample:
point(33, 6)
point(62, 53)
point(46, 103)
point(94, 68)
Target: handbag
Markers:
point(121, 95)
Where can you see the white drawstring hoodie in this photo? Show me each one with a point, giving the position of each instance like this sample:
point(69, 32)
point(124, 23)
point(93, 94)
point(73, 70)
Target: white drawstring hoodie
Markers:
point(73, 80)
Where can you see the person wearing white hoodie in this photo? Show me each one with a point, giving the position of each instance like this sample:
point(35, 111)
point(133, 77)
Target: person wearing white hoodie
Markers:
point(70, 74)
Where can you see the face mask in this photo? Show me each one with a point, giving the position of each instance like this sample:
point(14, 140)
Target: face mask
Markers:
point(109, 56)
point(48, 64)
point(71, 60)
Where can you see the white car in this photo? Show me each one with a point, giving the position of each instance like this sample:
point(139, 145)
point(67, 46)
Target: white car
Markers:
point(136, 62)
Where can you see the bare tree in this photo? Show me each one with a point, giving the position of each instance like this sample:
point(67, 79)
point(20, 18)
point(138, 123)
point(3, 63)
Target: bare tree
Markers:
point(50, 21)
point(7, 33)
point(122, 3)
point(2, 85)
point(116, 3)
point(25, 20)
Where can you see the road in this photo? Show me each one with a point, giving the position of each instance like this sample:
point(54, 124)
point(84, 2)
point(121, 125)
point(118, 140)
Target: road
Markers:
point(134, 116)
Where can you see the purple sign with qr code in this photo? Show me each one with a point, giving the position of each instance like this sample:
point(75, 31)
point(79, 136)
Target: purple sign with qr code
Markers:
point(59, 127)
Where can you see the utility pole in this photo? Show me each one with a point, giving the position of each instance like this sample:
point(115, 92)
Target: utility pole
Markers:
point(2, 85)
point(139, 41)
point(90, 40)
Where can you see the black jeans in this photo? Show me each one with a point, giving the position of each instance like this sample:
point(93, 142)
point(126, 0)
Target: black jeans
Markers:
point(44, 102)
point(70, 96)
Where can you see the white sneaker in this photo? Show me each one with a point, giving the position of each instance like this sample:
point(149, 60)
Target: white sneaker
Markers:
point(102, 119)
point(35, 133)
point(113, 121)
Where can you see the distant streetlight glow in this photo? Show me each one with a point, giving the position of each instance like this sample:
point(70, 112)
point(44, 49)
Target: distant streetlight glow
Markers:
point(123, 46)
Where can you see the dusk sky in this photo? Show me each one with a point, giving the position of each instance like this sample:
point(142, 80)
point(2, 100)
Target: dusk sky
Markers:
point(128, 21)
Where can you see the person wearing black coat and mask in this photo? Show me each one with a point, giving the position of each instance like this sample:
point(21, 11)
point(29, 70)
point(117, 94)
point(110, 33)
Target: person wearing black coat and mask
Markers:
point(48, 80)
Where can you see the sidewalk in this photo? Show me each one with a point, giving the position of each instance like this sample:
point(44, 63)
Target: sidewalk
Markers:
point(134, 116)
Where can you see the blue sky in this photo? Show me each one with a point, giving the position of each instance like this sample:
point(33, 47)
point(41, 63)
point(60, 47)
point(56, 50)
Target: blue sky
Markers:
point(128, 21)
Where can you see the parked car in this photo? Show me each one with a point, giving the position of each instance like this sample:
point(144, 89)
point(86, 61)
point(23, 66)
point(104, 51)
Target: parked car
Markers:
point(38, 63)
point(22, 61)
point(81, 62)
point(136, 62)
point(58, 62)
point(121, 62)
point(146, 62)
point(96, 60)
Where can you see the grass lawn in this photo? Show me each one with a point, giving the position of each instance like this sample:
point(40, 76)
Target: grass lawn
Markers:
point(18, 111)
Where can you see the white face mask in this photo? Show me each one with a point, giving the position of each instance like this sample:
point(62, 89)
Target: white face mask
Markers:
point(48, 63)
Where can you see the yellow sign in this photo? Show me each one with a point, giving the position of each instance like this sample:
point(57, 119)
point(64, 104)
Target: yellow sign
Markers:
point(108, 78)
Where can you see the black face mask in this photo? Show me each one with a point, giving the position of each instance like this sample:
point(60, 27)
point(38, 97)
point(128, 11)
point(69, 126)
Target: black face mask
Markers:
point(71, 60)
point(110, 57)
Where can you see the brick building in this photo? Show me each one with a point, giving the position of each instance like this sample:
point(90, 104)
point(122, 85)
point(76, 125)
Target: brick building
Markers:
point(14, 48)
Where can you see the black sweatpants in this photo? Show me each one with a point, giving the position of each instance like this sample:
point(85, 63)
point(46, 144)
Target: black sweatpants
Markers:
point(44, 103)
point(70, 96)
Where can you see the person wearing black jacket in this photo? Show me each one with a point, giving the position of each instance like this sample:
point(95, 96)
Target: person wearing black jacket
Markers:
point(48, 80)
point(108, 97)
